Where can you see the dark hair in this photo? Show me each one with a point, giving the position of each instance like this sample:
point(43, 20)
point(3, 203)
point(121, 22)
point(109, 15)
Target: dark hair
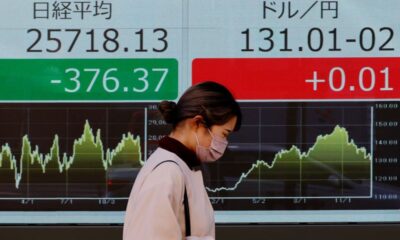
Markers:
point(211, 100)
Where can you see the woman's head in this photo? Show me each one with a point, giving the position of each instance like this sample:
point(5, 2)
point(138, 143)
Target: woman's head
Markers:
point(205, 112)
point(210, 100)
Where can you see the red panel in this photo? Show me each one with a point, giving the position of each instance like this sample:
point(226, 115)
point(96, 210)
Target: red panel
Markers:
point(285, 78)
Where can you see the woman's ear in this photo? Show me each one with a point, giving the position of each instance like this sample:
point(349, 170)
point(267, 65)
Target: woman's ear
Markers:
point(197, 121)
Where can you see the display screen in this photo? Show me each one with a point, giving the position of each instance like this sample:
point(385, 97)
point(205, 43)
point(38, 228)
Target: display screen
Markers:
point(317, 82)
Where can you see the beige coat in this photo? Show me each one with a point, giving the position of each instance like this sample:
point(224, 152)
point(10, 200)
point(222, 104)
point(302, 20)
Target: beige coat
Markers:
point(155, 208)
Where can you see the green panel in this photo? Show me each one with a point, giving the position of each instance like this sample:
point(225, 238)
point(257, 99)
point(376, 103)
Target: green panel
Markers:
point(88, 79)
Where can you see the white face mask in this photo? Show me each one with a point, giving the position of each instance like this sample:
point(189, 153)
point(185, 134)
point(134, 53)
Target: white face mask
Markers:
point(212, 153)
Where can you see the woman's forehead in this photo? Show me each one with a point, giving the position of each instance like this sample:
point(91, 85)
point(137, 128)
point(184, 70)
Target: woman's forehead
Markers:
point(228, 126)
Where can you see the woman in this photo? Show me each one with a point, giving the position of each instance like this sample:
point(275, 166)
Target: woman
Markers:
point(168, 199)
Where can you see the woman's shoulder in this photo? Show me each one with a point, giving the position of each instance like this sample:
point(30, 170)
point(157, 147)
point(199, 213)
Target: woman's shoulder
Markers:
point(165, 177)
point(165, 165)
point(160, 156)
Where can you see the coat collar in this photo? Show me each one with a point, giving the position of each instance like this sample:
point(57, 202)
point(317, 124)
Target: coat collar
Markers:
point(187, 155)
